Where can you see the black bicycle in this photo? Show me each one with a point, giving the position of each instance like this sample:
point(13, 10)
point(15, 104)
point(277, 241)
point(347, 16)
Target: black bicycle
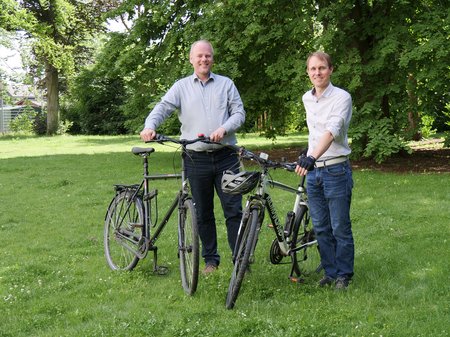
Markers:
point(293, 239)
point(133, 212)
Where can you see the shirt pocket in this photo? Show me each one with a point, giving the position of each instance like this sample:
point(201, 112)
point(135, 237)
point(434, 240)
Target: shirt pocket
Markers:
point(220, 102)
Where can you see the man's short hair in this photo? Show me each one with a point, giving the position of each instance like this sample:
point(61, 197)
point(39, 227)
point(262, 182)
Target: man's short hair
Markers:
point(201, 41)
point(321, 56)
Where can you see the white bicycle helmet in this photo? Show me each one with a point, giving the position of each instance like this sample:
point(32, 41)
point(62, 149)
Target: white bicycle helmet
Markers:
point(239, 183)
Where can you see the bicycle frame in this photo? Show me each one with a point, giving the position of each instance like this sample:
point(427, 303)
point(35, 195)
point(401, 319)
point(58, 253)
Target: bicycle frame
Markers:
point(148, 195)
point(265, 202)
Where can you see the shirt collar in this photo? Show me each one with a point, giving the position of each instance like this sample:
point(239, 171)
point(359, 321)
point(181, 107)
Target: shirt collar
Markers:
point(327, 91)
point(212, 77)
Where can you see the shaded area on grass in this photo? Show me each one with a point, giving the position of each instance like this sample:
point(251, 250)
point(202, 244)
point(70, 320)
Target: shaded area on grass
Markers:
point(422, 160)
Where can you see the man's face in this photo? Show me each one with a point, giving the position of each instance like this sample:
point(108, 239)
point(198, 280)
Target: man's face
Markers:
point(201, 58)
point(319, 72)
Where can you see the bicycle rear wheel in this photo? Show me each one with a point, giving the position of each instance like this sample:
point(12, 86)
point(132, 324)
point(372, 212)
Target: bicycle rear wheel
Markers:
point(124, 231)
point(188, 247)
point(305, 255)
point(245, 246)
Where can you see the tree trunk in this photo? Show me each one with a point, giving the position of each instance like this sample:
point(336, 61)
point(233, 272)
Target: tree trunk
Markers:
point(52, 84)
point(413, 114)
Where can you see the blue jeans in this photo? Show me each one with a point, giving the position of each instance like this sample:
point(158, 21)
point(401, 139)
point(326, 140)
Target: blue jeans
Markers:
point(204, 171)
point(329, 195)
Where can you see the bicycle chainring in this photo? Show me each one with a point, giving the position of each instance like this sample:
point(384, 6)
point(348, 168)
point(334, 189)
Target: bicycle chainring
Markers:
point(275, 252)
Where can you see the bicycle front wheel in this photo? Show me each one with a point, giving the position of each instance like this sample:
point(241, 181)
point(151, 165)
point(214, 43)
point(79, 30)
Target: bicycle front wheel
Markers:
point(304, 248)
point(245, 246)
point(123, 233)
point(188, 247)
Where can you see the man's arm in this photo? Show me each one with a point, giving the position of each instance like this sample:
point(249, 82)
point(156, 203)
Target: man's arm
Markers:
point(236, 111)
point(308, 163)
point(159, 113)
point(323, 145)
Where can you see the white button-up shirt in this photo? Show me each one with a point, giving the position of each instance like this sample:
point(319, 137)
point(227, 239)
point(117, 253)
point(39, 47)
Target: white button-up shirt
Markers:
point(331, 112)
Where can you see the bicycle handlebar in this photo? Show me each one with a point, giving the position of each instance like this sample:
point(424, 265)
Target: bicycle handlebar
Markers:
point(183, 142)
point(247, 154)
point(242, 151)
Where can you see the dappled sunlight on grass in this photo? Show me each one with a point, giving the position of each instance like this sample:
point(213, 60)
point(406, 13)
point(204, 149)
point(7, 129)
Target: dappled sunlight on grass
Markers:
point(42, 146)
point(54, 277)
point(21, 146)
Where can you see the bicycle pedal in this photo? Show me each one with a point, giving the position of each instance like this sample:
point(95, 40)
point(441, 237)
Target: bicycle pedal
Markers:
point(136, 225)
point(294, 279)
point(161, 270)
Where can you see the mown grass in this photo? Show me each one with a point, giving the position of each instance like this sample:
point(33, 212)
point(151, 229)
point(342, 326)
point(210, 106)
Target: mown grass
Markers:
point(54, 280)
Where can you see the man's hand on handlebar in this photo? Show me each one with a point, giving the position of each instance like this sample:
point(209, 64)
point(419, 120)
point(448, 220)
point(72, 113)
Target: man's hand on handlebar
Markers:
point(147, 135)
point(217, 135)
point(305, 164)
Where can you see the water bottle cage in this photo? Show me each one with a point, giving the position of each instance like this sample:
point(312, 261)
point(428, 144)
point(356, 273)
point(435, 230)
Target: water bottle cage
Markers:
point(288, 224)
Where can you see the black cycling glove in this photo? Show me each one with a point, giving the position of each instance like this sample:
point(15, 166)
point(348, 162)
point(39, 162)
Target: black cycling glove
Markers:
point(307, 162)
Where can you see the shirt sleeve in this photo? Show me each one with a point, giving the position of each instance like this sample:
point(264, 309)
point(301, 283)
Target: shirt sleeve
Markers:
point(340, 116)
point(235, 110)
point(164, 108)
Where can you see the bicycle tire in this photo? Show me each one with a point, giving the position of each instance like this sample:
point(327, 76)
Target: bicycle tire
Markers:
point(245, 246)
point(188, 247)
point(124, 231)
point(305, 260)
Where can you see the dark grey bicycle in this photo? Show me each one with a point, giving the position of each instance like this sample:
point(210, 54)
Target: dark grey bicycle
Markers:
point(294, 239)
point(128, 221)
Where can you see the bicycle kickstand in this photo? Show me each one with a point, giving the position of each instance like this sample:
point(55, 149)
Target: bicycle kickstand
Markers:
point(296, 275)
point(160, 270)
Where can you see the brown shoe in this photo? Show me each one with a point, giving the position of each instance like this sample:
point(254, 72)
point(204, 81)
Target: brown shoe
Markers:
point(209, 268)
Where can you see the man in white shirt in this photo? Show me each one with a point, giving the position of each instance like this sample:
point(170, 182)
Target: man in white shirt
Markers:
point(328, 171)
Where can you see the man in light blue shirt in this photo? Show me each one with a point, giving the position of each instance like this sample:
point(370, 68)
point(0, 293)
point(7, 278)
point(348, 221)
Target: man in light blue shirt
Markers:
point(207, 104)
point(328, 172)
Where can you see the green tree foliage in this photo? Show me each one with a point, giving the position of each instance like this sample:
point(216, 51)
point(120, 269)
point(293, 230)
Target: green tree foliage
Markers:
point(391, 55)
point(393, 58)
point(94, 101)
point(262, 45)
point(157, 54)
point(60, 30)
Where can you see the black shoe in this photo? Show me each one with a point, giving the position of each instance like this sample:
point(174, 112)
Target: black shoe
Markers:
point(326, 281)
point(342, 283)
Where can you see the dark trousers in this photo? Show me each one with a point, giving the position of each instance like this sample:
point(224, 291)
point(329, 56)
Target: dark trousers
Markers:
point(204, 171)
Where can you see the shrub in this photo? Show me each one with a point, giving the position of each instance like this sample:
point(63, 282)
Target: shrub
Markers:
point(24, 122)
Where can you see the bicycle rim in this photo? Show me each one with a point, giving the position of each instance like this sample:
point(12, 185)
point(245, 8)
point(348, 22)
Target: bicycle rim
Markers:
point(305, 256)
point(123, 233)
point(188, 247)
point(244, 248)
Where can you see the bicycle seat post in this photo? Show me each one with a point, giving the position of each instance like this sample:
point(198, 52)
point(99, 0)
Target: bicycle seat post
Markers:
point(145, 163)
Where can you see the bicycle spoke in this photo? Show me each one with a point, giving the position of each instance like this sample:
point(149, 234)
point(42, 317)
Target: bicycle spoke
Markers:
point(188, 247)
point(123, 232)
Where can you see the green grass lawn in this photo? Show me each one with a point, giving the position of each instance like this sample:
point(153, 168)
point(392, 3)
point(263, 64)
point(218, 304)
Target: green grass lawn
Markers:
point(54, 280)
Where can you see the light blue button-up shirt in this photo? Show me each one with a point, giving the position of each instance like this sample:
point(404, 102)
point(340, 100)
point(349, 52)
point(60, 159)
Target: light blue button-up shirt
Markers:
point(202, 108)
point(331, 112)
